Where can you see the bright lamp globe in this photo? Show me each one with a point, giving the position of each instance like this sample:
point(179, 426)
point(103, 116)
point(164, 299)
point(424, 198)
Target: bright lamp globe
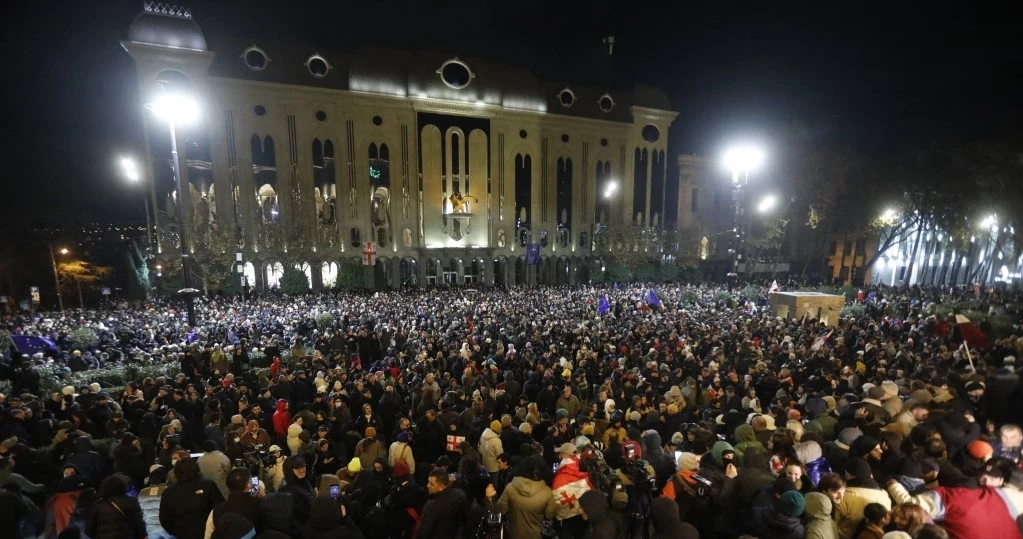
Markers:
point(175, 108)
point(743, 159)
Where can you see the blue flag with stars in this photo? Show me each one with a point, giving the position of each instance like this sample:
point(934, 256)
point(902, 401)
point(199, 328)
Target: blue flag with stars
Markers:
point(603, 306)
point(652, 299)
point(533, 254)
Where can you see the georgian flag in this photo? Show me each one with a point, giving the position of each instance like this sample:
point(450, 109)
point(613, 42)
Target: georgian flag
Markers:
point(569, 485)
point(774, 287)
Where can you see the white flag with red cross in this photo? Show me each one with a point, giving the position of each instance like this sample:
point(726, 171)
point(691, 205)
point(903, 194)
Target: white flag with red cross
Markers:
point(369, 254)
point(569, 484)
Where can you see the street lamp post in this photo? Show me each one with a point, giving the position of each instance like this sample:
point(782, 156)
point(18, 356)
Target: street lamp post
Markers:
point(175, 108)
point(739, 161)
point(56, 276)
point(131, 173)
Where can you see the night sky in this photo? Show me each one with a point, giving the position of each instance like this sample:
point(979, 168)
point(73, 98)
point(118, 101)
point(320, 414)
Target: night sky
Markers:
point(876, 80)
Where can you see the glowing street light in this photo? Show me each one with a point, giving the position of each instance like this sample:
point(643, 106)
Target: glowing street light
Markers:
point(991, 222)
point(56, 277)
point(611, 188)
point(178, 108)
point(64, 251)
point(740, 160)
point(129, 169)
point(767, 203)
point(889, 214)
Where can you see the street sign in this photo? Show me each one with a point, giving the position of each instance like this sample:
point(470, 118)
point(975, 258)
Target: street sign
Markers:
point(35, 293)
point(369, 254)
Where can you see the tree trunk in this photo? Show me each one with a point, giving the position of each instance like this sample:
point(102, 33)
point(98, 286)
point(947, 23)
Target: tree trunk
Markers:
point(912, 257)
point(81, 302)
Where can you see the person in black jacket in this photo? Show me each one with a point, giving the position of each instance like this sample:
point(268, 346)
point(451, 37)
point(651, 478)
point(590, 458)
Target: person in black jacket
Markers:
point(664, 465)
point(187, 503)
point(604, 523)
point(440, 514)
point(115, 515)
point(327, 520)
point(240, 500)
point(297, 483)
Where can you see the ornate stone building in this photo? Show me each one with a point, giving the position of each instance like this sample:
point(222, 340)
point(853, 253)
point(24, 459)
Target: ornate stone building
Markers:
point(451, 166)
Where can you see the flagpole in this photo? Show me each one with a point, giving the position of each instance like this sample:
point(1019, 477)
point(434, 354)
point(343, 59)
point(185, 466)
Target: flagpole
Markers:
point(966, 345)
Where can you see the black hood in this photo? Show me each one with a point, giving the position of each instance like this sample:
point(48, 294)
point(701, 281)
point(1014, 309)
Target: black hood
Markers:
point(594, 504)
point(324, 514)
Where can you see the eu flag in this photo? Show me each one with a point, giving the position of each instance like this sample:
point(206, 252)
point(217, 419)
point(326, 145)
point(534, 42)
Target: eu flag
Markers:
point(30, 345)
point(603, 306)
point(652, 299)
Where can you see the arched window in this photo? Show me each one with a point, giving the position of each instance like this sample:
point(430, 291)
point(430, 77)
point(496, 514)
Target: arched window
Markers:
point(323, 179)
point(564, 187)
point(264, 175)
point(356, 237)
point(523, 189)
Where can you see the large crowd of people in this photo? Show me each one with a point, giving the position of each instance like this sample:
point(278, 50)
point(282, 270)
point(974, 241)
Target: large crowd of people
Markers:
point(615, 412)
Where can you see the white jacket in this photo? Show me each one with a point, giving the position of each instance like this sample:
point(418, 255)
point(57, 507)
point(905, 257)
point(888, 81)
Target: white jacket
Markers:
point(490, 448)
point(293, 442)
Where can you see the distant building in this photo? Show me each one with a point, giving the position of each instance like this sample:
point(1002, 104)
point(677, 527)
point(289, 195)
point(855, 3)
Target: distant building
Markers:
point(449, 165)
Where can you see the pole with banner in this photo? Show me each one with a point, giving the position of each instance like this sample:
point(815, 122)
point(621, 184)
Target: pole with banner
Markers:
point(369, 261)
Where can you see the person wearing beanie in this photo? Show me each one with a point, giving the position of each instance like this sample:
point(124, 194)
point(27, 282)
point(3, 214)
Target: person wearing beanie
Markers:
point(890, 400)
point(406, 497)
point(490, 446)
point(866, 448)
point(837, 450)
point(782, 520)
point(980, 450)
point(369, 449)
point(401, 451)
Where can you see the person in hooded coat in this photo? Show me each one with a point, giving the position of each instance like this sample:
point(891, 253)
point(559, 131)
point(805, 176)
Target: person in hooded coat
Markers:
point(746, 443)
point(527, 501)
point(782, 520)
point(603, 523)
point(328, 521)
point(817, 511)
point(667, 523)
point(653, 452)
point(298, 484)
point(87, 461)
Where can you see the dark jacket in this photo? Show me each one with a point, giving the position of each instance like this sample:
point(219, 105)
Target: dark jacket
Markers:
point(242, 504)
point(275, 510)
point(667, 524)
point(326, 522)
point(185, 505)
point(87, 461)
point(604, 523)
point(768, 523)
point(116, 517)
point(439, 519)
point(301, 491)
point(663, 465)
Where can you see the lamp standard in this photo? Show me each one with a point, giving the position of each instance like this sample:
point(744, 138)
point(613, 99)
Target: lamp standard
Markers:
point(131, 173)
point(739, 161)
point(179, 109)
point(56, 276)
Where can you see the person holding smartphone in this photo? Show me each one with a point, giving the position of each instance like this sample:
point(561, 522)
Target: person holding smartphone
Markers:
point(244, 494)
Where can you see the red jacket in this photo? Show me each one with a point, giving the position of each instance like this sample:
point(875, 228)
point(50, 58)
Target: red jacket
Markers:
point(282, 419)
point(981, 513)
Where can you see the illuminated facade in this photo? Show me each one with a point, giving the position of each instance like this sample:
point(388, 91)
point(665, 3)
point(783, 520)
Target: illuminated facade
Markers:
point(449, 165)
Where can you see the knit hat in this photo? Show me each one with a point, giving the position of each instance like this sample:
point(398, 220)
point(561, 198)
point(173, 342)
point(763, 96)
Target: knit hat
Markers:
point(588, 429)
point(403, 437)
point(235, 526)
point(830, 401)
point(371, 432)
point(676, 439)
point(862, 446)
point(979, 449)
point(95, 387)
point(237, 419)
point(688, 462)
point(67, 391)
point(791, 504)
point(401, 470)
point(673, 408)
point(891, 389)
point(858, 469)
point(495, 426)
point(526, 428)
point(355, 465)
point(847, 437)
point(635, 416)
point(794, 415)
point(561, 413)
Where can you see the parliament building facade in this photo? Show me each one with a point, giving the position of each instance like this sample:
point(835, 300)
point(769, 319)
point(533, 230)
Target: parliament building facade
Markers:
point(451, 167)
